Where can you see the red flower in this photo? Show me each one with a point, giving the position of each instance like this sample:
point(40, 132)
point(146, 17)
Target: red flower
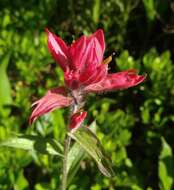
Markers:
point(85, 71)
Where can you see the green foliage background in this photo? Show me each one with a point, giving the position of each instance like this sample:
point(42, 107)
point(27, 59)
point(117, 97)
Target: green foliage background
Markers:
point(135, 126)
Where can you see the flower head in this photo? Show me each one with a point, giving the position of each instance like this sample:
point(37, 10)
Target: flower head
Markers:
point(85, 72)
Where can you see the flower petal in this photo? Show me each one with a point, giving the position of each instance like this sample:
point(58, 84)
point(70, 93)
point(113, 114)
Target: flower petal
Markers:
point(90, 68)
point(98, 50)
point(94, 50)
point(71, 79)
point(77, 119)
point(55, 98)
point(99, 44)
point(58, 49)
point(77, 53)
point(94, 76)
point(81, 49)
point(100, 37)
point(120, 80)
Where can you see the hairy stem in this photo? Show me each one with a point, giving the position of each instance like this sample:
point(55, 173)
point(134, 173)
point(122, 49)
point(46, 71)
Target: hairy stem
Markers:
point(65, 173)
point(73, 110)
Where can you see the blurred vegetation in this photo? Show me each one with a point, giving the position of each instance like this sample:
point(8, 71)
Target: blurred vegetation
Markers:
point(135, 126)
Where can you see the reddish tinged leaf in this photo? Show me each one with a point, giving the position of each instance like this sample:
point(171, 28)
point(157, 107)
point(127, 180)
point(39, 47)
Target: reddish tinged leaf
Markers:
point(53, 99)
point(117, 81)
point(77, 119)
point(58, 49)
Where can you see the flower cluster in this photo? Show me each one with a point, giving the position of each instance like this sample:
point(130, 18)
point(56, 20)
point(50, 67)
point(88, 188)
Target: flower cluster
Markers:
point(85, 72)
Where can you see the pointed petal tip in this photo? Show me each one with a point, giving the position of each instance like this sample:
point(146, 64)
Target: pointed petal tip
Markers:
point(99, 30)
point(134, 74)
point(47, 30)
point(142, 78)
point(99, 34)
point(133, 79)
point(117, 81)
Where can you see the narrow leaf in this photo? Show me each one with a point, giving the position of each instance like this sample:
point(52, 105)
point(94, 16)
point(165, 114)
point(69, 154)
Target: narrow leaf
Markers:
point(34, 143)
point(90, 143)
point(96, 11)
point(166, 166)
point(150, 8)
point(75, 156)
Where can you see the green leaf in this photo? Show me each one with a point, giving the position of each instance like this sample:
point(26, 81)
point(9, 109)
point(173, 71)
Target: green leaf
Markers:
point(5, 89)
point(166, 166)
point(34, 143)
point(96, 11)
point(90, 143)
point(21, 183)
point(150, 9)
point(126, 61)
point(75, 155)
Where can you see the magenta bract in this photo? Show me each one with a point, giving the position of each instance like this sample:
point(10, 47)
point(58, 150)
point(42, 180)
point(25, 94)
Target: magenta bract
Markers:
point(54, 98)
point(77, 119)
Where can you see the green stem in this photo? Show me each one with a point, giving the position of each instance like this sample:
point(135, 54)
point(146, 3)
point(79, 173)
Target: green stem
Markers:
point(65, 173)
point(66, 150)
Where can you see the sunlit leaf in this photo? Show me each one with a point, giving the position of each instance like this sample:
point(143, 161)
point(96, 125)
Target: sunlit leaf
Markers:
point(21, 183)
point(96, 11)
point(5, 89)
point(34, 143)
point(166, 166)
point(90, 143)
point(75, 156)
point(150, 9)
